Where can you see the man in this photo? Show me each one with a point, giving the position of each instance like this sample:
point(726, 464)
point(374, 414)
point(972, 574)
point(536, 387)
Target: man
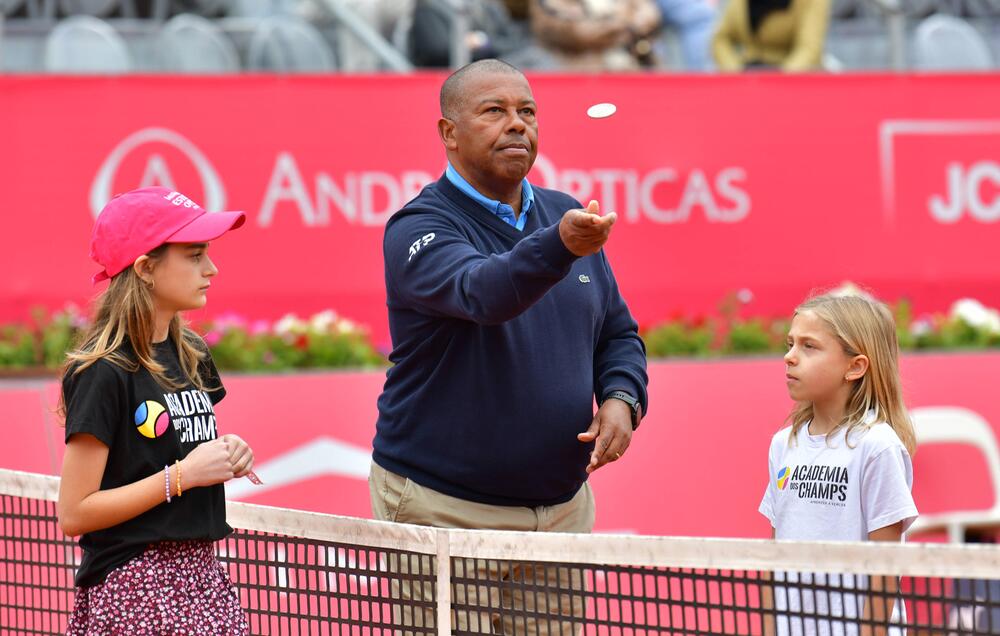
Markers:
point(506, 322)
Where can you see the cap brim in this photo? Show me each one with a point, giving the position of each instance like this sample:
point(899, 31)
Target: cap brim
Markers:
point(208, 227)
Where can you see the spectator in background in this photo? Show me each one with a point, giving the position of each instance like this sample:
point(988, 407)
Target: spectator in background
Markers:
point(596, 35)
point(786, 35)
point(693, 21)
point(387, 13)
point(381, 15)
point(492, 33)
point(518, 9)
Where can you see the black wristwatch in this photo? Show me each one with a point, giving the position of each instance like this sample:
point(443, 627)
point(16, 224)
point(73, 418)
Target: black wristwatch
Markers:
point(633, 405)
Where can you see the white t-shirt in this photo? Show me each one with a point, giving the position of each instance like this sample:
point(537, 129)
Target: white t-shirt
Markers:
point(827, 490)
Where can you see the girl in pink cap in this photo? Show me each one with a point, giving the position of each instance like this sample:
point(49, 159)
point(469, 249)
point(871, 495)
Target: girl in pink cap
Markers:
point(144, 466)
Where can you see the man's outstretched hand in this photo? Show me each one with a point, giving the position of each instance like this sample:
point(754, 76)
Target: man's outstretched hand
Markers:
point(584, 232)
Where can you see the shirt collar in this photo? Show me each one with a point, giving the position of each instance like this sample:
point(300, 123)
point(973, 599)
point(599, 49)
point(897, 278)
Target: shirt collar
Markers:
point(496, 207)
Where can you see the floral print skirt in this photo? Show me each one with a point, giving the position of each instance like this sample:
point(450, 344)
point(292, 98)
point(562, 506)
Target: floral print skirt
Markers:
point(174, 588)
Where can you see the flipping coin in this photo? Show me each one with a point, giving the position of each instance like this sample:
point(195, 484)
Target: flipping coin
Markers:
point(602, 110)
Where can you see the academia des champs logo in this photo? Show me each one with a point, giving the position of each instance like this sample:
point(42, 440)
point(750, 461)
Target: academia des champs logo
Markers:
point(828, 483)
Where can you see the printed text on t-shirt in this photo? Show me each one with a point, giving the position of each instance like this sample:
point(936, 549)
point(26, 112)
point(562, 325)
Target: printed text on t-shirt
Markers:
point(827, 483)
point(192, 414)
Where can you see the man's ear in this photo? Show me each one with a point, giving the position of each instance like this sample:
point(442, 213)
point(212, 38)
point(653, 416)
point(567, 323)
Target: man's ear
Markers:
point(446, 130)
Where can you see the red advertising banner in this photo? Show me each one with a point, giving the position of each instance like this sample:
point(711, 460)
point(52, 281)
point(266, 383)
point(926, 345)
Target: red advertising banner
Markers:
point(697, 465)
point(771, 184)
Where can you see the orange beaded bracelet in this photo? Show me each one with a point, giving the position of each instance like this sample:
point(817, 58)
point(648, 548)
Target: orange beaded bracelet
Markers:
point(180, 491)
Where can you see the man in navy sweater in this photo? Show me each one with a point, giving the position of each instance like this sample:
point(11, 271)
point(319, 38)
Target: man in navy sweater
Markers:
point(506, 323)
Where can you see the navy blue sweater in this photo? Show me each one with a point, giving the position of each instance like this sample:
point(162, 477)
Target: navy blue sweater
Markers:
point(501, 340)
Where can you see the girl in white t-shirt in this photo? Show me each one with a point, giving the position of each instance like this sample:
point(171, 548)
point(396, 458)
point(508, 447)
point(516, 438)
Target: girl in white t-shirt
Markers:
point(841, 471)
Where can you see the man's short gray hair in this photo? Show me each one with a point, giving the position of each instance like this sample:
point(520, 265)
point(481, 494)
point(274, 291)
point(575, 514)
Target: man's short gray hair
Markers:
point(453, 90)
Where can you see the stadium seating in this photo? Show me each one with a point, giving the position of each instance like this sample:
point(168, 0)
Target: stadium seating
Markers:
point(948, 43)
point(85, 44)
point(192, 44)
point(286, 36)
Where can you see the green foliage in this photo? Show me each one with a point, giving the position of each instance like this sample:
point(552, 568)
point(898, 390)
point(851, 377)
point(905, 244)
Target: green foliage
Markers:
point(752, 336)
point(968, 325)
point(17, 347)
point(43, 342)
point(323, 342)
point(327, 341)
point(678, 338)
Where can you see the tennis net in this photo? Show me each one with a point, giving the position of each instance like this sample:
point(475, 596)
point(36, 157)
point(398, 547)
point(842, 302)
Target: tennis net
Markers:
point(309, 573)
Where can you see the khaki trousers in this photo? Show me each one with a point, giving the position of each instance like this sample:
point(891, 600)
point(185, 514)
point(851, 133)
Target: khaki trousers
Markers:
point(522, 598)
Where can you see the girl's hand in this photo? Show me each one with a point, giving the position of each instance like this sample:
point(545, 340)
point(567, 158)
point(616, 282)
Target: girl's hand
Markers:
point(208, 464)
point(240, 455)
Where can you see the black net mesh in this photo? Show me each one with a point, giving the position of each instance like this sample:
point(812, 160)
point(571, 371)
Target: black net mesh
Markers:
point(290, 585)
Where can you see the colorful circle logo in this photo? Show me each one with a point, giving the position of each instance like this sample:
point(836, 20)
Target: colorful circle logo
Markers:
point(152, 419)
point(783, 477)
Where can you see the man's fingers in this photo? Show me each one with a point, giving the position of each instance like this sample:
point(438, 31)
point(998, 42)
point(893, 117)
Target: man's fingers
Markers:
point(612, 453)
point(611, 444)
point(594, 207)
point(582, 220)
point(590, 223)
point(591, 433)
point(601, 446)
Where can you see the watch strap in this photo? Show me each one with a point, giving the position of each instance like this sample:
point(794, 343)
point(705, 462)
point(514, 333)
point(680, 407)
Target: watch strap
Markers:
point(633, 405)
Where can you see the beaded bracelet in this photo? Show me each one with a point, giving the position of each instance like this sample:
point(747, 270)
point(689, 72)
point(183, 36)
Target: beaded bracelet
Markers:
point(166, 473)
point(177, 463)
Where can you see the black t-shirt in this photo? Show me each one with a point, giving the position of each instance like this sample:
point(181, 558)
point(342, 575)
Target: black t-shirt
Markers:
point(146, 427)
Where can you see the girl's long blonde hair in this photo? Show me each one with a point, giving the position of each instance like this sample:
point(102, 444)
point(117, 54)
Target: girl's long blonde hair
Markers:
point(863, 327)
point(125, 313)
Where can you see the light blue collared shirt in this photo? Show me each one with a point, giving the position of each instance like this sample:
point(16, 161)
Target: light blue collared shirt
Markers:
point(502, 210)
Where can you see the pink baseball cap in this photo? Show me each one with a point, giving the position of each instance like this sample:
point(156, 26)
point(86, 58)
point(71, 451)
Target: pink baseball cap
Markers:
point(139, 221)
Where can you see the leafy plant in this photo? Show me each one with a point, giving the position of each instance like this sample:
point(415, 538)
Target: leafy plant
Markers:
point(752, 336)
point(324, 341)
point(679, 338)
point(329, 341)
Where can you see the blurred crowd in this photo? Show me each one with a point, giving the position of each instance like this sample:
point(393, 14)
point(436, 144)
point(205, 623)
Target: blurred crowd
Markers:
point(318, 36)
point(698, 35)
point(610, 35)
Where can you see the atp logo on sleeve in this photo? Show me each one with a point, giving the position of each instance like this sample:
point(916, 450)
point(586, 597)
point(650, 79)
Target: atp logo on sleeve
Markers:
point(419, 243)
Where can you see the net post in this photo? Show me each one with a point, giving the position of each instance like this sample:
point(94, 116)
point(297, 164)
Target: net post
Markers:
point(443, 583)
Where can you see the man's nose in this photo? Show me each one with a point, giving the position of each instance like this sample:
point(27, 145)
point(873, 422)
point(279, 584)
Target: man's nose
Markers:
point(516, 123)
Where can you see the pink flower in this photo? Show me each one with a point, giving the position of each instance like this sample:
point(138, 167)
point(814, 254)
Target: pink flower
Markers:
point(213, 337)
point(260, 327)
point(230, 320)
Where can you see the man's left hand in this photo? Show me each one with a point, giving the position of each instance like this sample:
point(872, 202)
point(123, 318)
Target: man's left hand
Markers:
point(612, 430)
